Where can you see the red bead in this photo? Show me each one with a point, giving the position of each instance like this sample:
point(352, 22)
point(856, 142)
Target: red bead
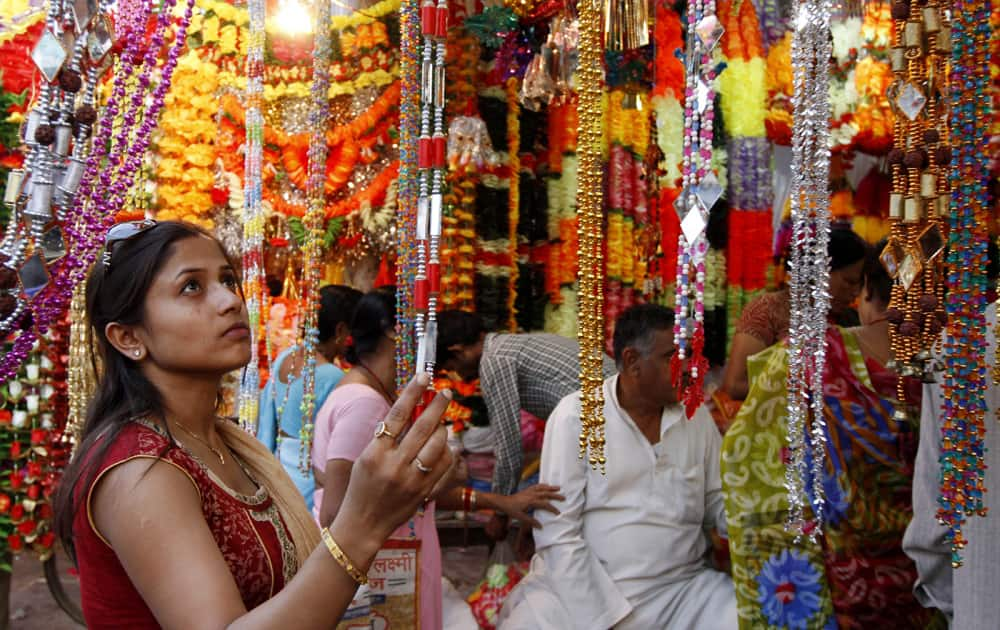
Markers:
point(428, 19)
point(424, 152)
point(420, 294)
point(434, 278)
point(442, 21)
point(440, 151)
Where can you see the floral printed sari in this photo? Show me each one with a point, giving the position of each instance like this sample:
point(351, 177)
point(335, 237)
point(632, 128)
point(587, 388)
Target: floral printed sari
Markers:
point(857, 575)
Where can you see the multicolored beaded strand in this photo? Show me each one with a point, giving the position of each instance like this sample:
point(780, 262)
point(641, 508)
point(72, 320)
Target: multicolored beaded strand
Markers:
point(253, 211)
point(701, 191)
point(963, 470)
point(312, 249)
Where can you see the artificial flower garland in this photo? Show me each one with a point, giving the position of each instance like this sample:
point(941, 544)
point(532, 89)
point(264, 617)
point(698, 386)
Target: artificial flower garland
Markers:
point(185, 178)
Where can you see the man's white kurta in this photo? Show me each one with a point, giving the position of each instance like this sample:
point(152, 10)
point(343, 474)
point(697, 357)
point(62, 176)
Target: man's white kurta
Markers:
point(628, 548)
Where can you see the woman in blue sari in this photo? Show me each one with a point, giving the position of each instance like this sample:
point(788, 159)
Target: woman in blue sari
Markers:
point(280, 421)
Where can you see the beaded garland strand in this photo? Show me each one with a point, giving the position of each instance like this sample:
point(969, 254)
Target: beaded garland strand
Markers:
point(918, 202)
point(963, 471)
point(319, 116)
point(589, 200)
point(810, 268)
point(253, 211)
point(93, 186)
point(406, 209)
point(700, 191)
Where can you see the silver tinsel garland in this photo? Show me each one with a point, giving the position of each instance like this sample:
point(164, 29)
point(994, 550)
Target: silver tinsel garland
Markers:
point(810, 266)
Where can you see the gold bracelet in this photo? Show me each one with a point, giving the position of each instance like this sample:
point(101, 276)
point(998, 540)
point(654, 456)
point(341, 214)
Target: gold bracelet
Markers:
point(472, 500)
point(342, 559)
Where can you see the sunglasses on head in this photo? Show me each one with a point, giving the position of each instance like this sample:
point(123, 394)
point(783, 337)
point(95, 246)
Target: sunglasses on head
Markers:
point(123, 232)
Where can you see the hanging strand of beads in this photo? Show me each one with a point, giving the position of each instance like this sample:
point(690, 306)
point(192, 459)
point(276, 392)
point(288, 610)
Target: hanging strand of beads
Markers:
point(66, 178)
point(432, 160)
point(963, 471)
point(79, 371)
point(701, 191)
point(253, 210)
point(589, 200)
point(312, 249)
point(406, 198)
point(918, 202)
point(810, 268)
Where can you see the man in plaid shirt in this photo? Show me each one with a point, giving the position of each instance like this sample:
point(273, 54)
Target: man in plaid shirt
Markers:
point(531, 371)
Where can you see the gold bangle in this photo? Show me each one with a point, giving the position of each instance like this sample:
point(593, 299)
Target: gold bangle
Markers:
point(342, 559)
point(472, 500)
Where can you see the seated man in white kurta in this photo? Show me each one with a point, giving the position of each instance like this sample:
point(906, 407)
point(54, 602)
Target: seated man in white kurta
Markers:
point(628, 549)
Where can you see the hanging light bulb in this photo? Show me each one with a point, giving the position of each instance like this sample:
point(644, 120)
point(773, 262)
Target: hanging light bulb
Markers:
point(293, 18)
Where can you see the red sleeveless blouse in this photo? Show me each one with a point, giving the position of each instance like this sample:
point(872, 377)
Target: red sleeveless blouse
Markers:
point(249, 530)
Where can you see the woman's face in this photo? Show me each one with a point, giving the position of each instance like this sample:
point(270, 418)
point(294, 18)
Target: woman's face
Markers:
point(195, 319)
point(845, 286)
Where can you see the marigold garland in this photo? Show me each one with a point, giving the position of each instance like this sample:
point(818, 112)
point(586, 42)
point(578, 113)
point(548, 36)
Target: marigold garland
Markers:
point(186, 147)
point(514, 195)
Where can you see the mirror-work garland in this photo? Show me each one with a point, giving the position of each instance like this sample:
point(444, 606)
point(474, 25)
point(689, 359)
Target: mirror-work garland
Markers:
point(253, 210)
point(963, 471)
point(589, 200)
point(312, 249)
point(810, 268)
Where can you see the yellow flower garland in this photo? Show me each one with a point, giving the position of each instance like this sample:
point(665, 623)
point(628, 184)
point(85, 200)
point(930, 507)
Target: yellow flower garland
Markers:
point(187, 154)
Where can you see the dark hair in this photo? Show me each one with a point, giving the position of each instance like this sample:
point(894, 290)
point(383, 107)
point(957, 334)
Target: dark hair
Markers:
point(845, 248)
point(116, 293)
point(374, 314)
point(456, 328)
point(336, 304)
point(636, 326)
point(878, 284)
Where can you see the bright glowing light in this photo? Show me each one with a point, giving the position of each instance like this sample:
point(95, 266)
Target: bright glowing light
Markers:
point(293, 18)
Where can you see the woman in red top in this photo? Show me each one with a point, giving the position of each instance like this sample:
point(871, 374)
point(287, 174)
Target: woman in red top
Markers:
point(176, 517)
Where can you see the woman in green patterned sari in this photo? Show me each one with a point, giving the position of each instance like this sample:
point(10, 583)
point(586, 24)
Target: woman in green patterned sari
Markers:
point(856, 575)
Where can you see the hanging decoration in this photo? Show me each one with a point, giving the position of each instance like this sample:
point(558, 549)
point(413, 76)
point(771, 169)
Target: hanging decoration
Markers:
point(701, 189)
point(432, 166)
point(80, 375)
point(513, 193)
point(918, 200)
point(312, 248)
point(963, 472)
point(810, 266)
point(253, 211)
point(62, 177)
point(589, 198)
point(406, 199)
point(32, 449)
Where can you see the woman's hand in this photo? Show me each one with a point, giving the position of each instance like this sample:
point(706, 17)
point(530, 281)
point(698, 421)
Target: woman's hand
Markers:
point(387, 484)
point(537, 497)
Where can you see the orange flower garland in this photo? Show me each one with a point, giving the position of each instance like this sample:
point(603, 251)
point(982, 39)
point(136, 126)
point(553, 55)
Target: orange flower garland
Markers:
point(514, 198)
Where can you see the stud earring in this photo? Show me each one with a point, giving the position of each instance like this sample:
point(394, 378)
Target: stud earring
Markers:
point(137, 353)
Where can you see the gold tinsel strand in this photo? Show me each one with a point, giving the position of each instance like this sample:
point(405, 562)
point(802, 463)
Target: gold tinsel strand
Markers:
point(589, 198)
point(514, 192)
point(80, 374)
